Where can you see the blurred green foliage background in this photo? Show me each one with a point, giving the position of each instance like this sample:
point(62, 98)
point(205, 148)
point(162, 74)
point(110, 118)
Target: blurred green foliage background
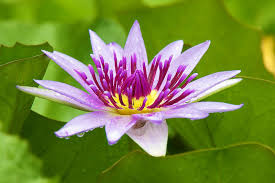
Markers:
point(233, 147)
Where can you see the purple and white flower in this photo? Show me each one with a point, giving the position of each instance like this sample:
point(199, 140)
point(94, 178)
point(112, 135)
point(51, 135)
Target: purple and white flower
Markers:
point(128, 95)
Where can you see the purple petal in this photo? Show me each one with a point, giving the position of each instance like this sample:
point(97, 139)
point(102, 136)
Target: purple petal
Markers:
point(156, 117)
point(117, 126)
point(199, 110)
point(70, 64)
point(84, 123)
point(190, 58)
point(211, 107)
point(54, 96)
point(114, 47)
point(203, 84)
point(173, 49)
point(135, 44)
point(101, 49)
point(184, 111)
point(217, 88)
point(73, 93)
point(152, 138)
point(98, 45)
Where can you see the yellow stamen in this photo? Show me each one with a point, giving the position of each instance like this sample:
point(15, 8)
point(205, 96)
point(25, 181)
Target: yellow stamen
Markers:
point(136, 104)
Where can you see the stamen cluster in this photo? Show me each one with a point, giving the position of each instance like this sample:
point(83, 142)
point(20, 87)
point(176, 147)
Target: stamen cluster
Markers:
point(112, 87)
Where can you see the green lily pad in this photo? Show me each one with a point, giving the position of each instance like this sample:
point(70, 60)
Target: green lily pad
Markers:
point(20, 64)
point(259, 14)
point(33, 11)
point(234, 164)
point(17, 164)
point(77, 159)
point(157, 3)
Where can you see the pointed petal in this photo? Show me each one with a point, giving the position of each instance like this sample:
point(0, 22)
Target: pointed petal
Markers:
point(151, 137)
point(173, 49)
point(101, 49)
point(114, 47)
point(203, 84)
point(54, 96)
point(117, 126)
point(98, 45)
point(135, 44)
point(184, 112)
point(190, 58)
point(70, 64)
point(211, 107)
point(84, 123)
point(217, 88)
point(73, 93)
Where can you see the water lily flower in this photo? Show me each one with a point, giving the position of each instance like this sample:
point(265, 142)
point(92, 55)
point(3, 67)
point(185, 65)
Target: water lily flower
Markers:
point(128, 95)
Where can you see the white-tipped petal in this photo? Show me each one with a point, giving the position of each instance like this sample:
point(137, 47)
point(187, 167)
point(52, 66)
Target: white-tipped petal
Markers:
point(101, 49)
point(189, 58)
point(205, 83)
point(173, 49)
point(116, 48)
point(217, 88)
point(73, 93)
point(54, 96)
point(212, 107)
point(84, 123)
point(117, 126)
point(151, 137)
point(135, 45)
point(70, 65)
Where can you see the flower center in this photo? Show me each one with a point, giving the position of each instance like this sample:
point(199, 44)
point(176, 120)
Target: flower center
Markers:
point(131, 90)
point(134, 106)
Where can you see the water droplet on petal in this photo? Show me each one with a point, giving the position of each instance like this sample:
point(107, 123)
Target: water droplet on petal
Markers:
point(80, 134)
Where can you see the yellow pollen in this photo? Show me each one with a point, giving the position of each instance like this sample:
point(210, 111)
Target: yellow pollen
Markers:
point(136, 104)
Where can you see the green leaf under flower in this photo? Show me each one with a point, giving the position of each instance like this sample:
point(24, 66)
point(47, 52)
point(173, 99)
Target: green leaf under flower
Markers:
point(20, 64)
point(17, 163)
point(77, 159)
point(233, 164)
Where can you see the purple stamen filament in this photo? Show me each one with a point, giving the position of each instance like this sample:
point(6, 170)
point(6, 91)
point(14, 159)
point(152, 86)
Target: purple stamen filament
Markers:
point(120, 89)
